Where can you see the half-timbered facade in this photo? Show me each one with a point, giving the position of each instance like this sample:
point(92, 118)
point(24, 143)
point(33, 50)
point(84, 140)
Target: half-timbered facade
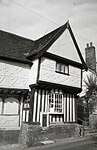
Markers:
point(40, 79)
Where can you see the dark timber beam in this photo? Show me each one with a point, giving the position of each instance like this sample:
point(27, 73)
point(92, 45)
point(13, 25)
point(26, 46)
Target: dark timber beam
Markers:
point(31, 105)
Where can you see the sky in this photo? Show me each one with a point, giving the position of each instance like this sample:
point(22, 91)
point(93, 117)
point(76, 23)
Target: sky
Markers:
point(35, 18)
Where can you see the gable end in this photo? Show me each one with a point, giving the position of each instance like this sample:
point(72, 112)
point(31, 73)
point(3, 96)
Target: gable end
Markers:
point(42, 48)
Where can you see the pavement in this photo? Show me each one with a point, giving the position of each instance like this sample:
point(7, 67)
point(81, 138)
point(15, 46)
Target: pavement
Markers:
point(67, 140)
point(74, 143)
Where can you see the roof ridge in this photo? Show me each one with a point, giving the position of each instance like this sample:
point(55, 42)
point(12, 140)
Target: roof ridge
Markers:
point(49, 33)
point(54, 36)
point(16, 35)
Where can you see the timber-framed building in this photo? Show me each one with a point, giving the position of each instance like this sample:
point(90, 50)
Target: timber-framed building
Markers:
point(40, 80)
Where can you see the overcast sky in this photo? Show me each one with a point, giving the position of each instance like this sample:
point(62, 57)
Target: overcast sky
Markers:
point(35, 18)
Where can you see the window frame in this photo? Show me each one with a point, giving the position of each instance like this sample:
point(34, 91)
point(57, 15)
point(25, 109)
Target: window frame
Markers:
point(54, 101)
point(59, 70)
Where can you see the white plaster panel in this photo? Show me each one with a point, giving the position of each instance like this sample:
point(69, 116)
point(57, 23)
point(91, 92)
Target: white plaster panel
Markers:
point(47, 73)
point(14, 75)
point(9, 121)
point(10, 116)
point(33, 72)
point(65, 47)
point(11, 106)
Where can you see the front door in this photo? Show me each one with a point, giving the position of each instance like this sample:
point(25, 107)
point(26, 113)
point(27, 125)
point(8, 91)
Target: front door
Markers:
point(44, 120)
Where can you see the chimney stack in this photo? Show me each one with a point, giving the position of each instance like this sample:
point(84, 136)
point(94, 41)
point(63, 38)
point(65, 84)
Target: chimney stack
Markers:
point(90, 56)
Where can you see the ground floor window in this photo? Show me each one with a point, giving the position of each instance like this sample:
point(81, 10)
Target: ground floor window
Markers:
point(55, 102)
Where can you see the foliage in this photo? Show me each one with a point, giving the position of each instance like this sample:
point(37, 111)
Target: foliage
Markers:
point(91, 93)
point(86, 104)
point(90, 87)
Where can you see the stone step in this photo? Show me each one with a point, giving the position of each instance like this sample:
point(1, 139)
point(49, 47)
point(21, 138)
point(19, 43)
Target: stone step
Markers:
point(87, 127)
point(89, 131)
point(90, 134)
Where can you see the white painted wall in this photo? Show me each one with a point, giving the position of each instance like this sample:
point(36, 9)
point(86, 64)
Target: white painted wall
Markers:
point(65, 47)
point(47, 73)
point(9, 121)
point(14, 75)
point(18, 76)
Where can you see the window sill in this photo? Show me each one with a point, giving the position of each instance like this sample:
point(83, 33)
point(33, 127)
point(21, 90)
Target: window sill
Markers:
point(62, 73)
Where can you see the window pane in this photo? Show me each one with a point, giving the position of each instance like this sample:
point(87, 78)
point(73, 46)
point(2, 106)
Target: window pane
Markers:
point(58, 67)
point(55, 103)
point(62, 68)
point(51, 102)
point(66, 69)
point(58, 103)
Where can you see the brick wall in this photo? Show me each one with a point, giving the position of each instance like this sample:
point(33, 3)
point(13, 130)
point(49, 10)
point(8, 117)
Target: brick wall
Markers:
point(90, 56)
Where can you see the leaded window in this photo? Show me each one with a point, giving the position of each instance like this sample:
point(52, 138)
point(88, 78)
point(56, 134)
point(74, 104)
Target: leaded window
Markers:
point(55, 102)
point(62, 68)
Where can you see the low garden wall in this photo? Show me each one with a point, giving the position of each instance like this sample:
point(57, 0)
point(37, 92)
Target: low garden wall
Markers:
point(33, 134)
point(93, 121)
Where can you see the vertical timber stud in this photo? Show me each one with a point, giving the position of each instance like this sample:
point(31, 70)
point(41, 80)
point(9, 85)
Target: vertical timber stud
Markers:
point(31, 105)
point(38, 71)
point(76, 108)
point(2, 106)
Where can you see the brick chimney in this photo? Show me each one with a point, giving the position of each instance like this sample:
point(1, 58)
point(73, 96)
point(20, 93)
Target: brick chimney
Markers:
point(90, 56)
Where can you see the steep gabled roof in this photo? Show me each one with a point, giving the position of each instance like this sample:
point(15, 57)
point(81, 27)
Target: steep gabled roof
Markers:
point(14, 47)
point(41, 45)
point(25, 50)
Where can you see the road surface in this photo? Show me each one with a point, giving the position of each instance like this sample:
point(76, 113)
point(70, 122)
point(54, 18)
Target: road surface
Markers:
point(86, 144)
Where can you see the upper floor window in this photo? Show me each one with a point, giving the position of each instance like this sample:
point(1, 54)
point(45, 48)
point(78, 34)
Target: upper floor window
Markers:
point(62, 68)
point(55, 102)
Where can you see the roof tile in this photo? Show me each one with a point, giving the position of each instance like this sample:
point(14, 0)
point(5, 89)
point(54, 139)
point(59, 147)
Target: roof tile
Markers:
point(14, 47)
